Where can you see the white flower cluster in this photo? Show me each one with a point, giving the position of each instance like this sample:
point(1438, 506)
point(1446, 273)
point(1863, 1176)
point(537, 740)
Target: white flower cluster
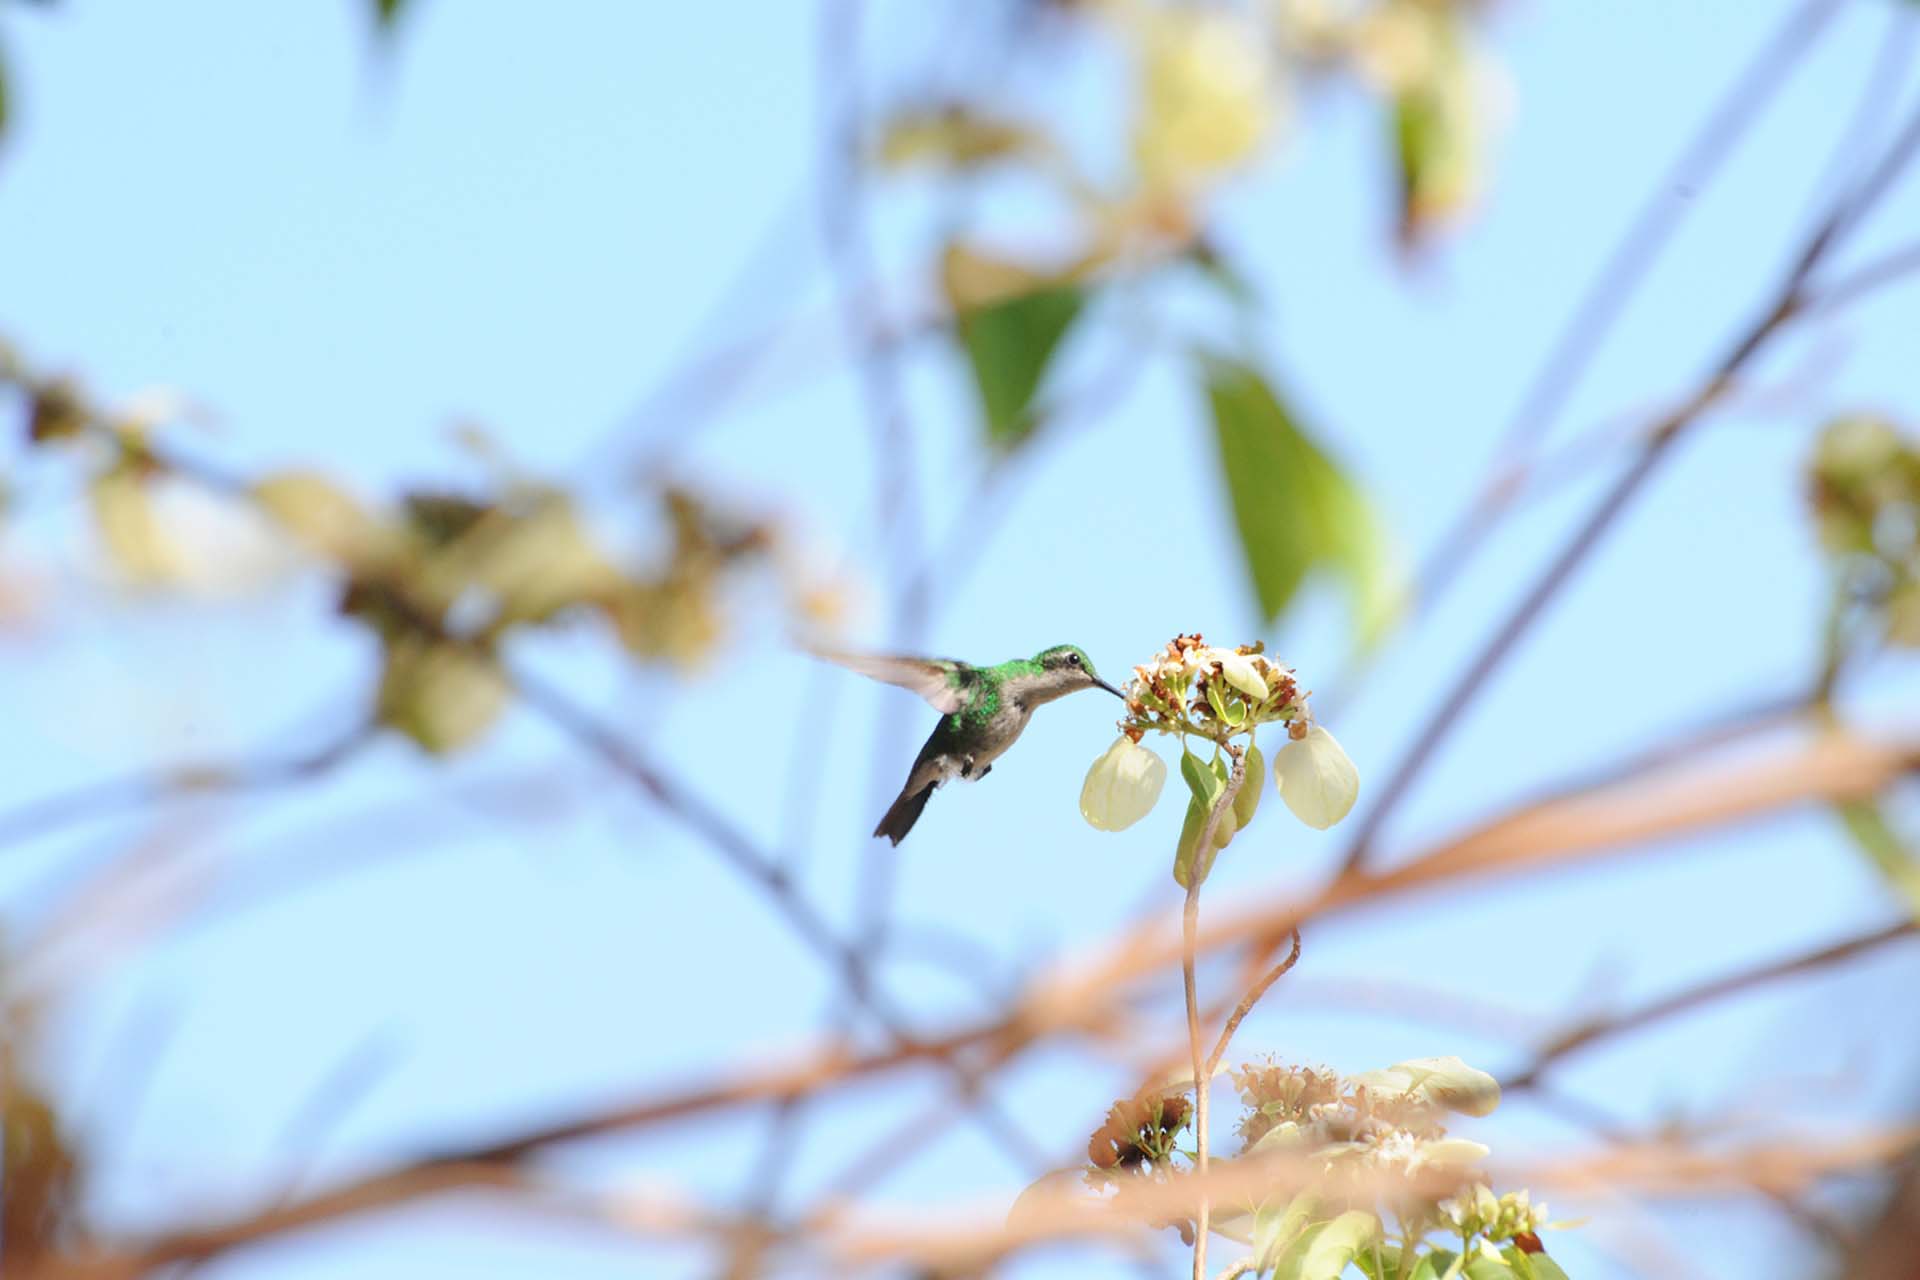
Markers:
point(1380, 1120)
point(1498, 1218)
point(1193, 689)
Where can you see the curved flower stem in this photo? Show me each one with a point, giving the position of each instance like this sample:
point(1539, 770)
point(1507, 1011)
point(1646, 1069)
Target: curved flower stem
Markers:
point(1202, 1074)
point(1247, 1002)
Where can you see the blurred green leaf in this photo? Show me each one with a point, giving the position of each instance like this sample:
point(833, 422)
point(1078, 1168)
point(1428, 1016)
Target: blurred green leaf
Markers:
point(1481, 1267)
point(1867, 823)
point(1009, 344)
point(954, 137)
point(1437, 128)
point(1246, 801)
point(1297, 512)
point(387, 12)
point(1189, 859)
point(1432, 1265)
point(1532, 1266)
point(1323, 1252)
point(1275, 1228)
point(442, 695)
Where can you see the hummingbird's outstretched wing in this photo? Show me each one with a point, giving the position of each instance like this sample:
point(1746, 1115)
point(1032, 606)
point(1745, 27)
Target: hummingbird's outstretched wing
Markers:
point(941, 681)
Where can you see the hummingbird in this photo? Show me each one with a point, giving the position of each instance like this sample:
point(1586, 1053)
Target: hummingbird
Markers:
point(982, 711)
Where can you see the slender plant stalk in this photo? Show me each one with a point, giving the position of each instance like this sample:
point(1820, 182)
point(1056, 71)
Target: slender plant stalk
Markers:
point(1190, 919)
point(1241, 1010)
point(1202, 1073)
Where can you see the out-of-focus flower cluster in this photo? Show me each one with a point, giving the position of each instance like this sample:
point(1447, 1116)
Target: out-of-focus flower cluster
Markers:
point(1499, 1219)
point(439, 577)
point(1865, 491)
point(1211, 96)
point(1140, 1136)
point(1383, 1174)
point(1389, 1119)
point(1139, 1132)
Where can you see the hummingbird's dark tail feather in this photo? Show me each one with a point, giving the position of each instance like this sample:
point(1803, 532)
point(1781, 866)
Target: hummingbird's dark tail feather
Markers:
point(903, 813)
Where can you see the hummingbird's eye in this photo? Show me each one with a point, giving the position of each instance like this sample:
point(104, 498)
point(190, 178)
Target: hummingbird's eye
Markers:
point(1074, 658)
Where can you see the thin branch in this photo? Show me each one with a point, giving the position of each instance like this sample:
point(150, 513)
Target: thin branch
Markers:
point(1788, 302)
point(1621, 275)
point(1614, 822)
point(138, 791)
point(1878, 274)
point(1067, 1212)
point(1583, 1037)
point(765, 873)
point(1241, 1010)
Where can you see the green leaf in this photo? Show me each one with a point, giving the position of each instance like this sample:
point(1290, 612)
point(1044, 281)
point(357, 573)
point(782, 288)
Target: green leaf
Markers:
point(1323, 1252)
point(1481, 1267)
point(387, 12)
point(1188, 852)
point(1381, 1262)
point(1868, 825)
point(1532, 1266)
point(1205, 781)
point(1246, 801)
point(1298, 514)
point(1275, 1229)
point(1009, 344)
point(1432, 1265)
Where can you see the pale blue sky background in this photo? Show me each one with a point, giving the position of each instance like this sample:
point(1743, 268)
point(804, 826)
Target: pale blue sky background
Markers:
point(519, 218)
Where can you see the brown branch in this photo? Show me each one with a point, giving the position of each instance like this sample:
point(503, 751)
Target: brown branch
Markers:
point(1615, 821)
point(1856, 284)
point(1582, 1037)
point(1241, 1010)
point(1066, 1212)
point(765, 873)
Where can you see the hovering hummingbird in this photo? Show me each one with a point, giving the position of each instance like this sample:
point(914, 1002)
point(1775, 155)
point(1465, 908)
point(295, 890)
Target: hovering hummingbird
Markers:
point(982, 710)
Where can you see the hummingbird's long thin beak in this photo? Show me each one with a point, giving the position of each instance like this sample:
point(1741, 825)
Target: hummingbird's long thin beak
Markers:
point(1110, 689)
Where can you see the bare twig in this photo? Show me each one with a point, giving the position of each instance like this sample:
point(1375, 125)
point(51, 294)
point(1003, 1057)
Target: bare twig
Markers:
point(1657, 1167)
point(1788, 301)
point(1241, 1010)
point(143, 790)
point(1585, 1036)
point(1614, 821)
point(1619, 277)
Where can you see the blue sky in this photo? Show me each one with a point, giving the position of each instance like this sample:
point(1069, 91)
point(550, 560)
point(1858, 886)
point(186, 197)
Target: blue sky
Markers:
point(525, 220)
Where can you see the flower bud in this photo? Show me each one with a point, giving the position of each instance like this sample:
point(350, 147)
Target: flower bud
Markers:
point(1247, 799)
point(1122, 786)
point(1316, 779)
point(1225, 827)
point(1240, 672)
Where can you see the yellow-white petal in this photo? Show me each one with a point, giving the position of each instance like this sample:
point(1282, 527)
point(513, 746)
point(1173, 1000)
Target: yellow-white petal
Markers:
point(1122, 785)
point(1449, 1153)
point(1240, 672)
point(1316, 779)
